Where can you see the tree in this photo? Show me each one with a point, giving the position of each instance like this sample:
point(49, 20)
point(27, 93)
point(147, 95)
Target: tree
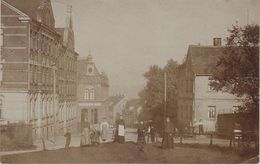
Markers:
point(237, 71)
point(152, 97)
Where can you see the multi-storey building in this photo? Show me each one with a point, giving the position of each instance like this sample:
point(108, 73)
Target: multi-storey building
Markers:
point(92, 92)
point(38, 61)
point(197, 102)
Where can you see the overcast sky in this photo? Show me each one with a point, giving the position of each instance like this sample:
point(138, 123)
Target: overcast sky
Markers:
point(127, 36)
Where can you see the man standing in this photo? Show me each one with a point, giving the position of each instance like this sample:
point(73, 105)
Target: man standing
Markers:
point(141, 136)
point(152, 132)
point(120, 130)
point(168, 134)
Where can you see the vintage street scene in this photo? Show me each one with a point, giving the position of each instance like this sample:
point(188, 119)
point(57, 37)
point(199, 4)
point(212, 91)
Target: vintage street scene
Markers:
point(129, 81)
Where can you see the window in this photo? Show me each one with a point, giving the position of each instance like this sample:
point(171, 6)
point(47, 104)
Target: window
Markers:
point(86, 94)
point(92, 94)
point(1, 104)
point(212, 111)
point(90, 70)
point(89, 94)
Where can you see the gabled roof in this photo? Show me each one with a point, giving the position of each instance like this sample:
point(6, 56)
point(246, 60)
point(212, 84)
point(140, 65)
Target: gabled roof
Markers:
point(203, 59)
point(19, 12)
point(82, 63)
point(29, 7)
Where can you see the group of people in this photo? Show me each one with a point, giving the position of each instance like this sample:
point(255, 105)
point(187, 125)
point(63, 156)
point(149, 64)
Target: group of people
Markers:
point(152, 134)
point(93, 134)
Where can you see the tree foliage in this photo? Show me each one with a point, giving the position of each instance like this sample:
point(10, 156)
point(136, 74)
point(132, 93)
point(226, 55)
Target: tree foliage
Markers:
point(237, 71)
point(152, 97)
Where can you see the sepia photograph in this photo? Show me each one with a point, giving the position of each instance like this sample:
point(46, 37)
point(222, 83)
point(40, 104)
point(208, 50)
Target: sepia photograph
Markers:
point(129, 81)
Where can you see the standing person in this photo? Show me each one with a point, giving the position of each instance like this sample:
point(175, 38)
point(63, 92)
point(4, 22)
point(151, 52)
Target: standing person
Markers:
point(141, 136)
point(152, 133)
point(68, 138)
point(168, 134)
point(104, 130)
point(95, 134)
point(85, 134)
point(148, 133)
point(120, 130)
point(201, 131)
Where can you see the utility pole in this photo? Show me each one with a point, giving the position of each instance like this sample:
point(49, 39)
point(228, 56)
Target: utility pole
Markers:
point(165, 94)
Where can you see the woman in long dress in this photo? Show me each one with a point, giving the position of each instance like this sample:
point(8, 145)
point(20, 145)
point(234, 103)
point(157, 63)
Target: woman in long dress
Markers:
point(104, 131)
point(85, 134)
point(95, 134)
point(120, 130)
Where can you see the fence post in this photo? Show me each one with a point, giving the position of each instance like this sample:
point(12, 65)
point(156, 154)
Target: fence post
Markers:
point(181, 137)
point(230, 143)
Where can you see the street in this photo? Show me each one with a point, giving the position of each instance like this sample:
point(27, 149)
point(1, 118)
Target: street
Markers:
point(114, 152)
point(128, 152)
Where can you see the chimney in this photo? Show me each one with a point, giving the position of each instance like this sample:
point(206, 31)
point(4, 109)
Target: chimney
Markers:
point(216, 41)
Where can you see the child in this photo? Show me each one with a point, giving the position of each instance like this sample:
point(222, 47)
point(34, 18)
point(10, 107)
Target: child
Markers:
point(68, 139)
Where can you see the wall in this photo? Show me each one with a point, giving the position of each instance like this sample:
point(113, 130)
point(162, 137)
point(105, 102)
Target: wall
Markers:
point(205, 97)
point(14, 106)
point(14, 50)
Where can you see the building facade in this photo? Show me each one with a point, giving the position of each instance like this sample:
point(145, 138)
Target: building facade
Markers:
point(93, 92)
point(38, 61)
point(197, 102)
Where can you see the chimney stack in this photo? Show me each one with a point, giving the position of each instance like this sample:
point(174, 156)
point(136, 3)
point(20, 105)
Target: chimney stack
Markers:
point(216, 41)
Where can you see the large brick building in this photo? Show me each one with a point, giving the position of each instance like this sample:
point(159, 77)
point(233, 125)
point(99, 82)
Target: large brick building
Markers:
point(93, 89)
point(197, 102)
point(38, 67)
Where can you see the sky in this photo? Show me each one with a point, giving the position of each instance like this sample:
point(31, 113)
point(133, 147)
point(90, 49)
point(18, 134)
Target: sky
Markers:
point(126, 37)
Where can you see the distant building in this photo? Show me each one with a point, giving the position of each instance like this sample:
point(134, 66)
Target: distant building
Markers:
point(131, 112)
point(37, 68)
point(116, 105)
point(93, 89)
point(197, 102)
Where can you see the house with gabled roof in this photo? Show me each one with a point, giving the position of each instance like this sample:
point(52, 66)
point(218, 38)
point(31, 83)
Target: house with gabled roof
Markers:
point(93, 91)
point(198, 103)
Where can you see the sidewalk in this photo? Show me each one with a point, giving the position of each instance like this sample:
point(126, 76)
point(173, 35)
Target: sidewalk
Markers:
point(49, 145)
